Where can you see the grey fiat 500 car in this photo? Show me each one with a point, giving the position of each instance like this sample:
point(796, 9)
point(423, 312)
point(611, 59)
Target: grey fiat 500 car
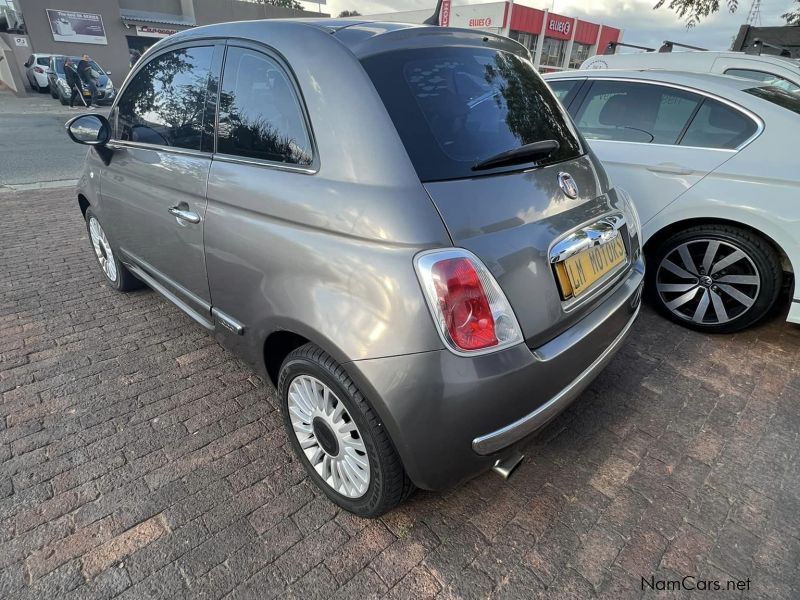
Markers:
point(397, 224)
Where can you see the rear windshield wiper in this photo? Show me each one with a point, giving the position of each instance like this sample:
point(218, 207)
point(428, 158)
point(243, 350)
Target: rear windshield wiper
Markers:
point(523, 154)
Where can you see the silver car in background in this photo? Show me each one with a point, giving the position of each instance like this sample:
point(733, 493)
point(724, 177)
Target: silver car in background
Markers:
point(397, 224)
point(708, 159)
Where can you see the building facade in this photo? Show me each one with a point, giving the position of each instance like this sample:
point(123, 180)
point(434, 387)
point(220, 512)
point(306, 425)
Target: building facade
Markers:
point(113, 32)
point(556, 41)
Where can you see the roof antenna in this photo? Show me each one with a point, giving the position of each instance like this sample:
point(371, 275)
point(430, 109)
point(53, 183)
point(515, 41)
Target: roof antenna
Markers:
point(434, 18)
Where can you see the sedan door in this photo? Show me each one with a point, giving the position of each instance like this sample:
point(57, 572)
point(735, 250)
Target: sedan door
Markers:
point(641, 132)
point(154, 189)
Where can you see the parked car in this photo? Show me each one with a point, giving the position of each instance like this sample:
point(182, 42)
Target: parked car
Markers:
point(36, 71)
point(397, 224)
point(709, 161)
point(778, 71)
point(58, 82)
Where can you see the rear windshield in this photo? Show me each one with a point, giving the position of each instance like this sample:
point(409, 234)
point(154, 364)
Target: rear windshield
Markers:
point(456, 106)
point(75, 60)
point(788, 100)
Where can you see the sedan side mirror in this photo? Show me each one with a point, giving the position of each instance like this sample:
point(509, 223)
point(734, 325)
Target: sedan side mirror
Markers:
point(92, 130)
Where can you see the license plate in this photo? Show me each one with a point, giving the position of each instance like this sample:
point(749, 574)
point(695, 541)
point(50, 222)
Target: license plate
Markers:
point(577, 273)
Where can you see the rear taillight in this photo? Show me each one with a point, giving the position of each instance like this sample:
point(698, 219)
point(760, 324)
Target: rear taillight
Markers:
point(38, 69)
point(470, 310)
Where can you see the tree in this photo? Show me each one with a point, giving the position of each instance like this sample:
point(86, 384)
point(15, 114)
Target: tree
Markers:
point(695, 11)
point(355, 13)
point(284, 3)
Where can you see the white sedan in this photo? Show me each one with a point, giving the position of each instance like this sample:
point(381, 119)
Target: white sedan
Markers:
point(710, 162)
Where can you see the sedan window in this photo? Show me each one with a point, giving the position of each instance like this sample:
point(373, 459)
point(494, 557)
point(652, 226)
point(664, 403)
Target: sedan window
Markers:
point(718, 126)
point(777, 96)
point(767, 78)
point(635, 112)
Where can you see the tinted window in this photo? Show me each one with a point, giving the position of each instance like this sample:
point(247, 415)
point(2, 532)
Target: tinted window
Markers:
point(43, 61)
point(563, 88)
point(75, 60)
point(768, 78)
point(718, 126)
point(163, 104)
point(460, 105)
point(635, 112)
point(782, 98)
point(259, 113)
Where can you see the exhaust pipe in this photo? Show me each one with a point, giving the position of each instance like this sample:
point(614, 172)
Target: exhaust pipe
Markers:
point(506, 465)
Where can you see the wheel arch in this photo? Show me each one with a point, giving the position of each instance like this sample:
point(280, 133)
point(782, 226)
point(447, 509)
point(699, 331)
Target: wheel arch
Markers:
point(662, 234)
point(84, 204)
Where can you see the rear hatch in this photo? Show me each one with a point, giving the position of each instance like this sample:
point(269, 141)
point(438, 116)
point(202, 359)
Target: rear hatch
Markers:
point(456, 105)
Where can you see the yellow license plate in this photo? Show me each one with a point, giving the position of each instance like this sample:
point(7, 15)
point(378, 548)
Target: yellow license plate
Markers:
point(577, 273)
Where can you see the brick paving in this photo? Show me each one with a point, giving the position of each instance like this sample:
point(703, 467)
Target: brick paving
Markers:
point(138, 459)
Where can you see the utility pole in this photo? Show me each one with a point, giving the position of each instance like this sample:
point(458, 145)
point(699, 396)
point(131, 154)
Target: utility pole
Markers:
point(754, 16)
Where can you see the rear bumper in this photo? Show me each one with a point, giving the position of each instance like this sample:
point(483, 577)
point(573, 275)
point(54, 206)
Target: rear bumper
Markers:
point(452, 417)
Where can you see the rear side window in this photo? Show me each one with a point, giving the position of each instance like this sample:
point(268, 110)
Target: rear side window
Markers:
point(259, 113)
point(767, 78)
point(635, 112)
point(164, 102)
point(459, 105)
point(718, 126)
point(43, 61)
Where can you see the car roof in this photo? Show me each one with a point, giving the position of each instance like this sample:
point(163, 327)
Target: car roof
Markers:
point(702, 81)
point(692, 57)
point(361, 36)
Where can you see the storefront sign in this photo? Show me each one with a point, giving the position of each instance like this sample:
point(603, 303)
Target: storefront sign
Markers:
point(79, 27)
point(157, 32)
point(559, 27)
point(478, 16)
point(444, 16)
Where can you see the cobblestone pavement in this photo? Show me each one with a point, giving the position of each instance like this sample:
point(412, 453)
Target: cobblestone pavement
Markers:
point(139, 459)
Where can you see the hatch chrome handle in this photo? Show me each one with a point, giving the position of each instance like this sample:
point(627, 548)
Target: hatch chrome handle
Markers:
point(184, 214)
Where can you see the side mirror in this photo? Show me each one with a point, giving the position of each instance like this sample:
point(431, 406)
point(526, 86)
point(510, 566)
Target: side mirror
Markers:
point(92, 130)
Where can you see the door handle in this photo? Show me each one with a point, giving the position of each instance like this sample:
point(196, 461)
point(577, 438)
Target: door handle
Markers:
point(184, 214)
point(670, 168)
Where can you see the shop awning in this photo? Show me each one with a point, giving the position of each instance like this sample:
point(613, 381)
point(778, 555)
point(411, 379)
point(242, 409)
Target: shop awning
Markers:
point(137, 17)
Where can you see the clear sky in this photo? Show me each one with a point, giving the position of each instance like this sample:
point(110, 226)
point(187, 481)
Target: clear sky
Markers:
point(641, 23)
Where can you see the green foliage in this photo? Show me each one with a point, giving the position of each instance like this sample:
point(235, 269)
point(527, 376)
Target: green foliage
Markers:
point(349, 13)
point(284, 3)
point(792, 17)
point(695, 11)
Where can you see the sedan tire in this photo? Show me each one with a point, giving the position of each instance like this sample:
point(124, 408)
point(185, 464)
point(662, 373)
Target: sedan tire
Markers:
point(714, 278)
point(120, 278)
point(339, 438)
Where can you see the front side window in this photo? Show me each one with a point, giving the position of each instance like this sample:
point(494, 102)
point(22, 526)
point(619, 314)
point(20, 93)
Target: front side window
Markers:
point(164, 102)
point(717, 125)
point(259, 113)
point(766, 78)
point(635, 112)
point(460, 105)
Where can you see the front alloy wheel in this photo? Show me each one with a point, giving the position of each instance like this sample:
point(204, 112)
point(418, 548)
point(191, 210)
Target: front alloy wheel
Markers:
point(715, 278)
point(102, 250)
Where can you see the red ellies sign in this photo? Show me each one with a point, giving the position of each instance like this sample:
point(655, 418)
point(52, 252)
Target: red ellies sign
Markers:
point(559, 27)
point(444, 16)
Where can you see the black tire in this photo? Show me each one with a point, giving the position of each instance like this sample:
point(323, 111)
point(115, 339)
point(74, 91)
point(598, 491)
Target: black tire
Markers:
point(123, 280)
point(44, 90)
point(759, 253)
point(389, 485)
point(63, 99)
point(53, 92)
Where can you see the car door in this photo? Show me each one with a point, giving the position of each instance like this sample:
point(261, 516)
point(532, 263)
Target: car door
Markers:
point(636, 128)
point(154, 188)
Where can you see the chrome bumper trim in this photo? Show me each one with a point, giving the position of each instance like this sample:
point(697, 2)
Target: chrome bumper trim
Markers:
point(497, 440)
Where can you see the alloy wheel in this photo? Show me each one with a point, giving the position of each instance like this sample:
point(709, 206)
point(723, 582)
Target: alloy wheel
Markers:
point(328, 436)
point(708, 281)
point(102, 249)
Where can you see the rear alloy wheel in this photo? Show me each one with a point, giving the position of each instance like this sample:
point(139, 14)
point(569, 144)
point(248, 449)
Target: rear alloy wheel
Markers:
point(116, 273)
point(715, 278)
point(339, 438)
